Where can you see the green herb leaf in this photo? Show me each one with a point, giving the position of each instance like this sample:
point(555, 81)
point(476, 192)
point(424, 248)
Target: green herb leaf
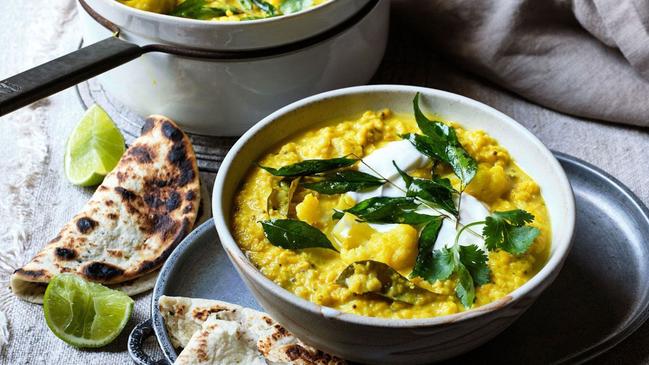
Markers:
point(507, 231)
point(343, 181)
point(475, 260)
point(394, 285)
point(388, 210)
point(436, 191)
point(294, 234)
point(266, 7)
point(463, 165)
point(293, 6)
point(434, 129)
point(440, 142)
point(201, 9)
point(310, 167)
point(245, 4)
point(433, 265)
point(464, 290)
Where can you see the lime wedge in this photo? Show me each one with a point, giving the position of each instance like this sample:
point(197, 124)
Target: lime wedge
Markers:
point(85, 314)
point(93, 149)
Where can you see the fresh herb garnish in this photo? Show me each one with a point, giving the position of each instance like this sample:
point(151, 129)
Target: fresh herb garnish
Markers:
point(294, 234)
point(266, 7)
point(507, 231)
point(340, 182)
point(393, 285)
point(201, 9)
point(245, 4)
point(293, 6)
point(310, 167)
point(440, 142)
point(431, 265)
point(382, 209)
point(436, 191)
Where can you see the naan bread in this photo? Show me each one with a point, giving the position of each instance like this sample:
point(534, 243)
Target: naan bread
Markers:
point(137, 216)
point(197, 325)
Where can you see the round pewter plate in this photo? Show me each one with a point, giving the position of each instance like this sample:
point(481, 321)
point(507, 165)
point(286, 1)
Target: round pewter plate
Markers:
point(600, 297)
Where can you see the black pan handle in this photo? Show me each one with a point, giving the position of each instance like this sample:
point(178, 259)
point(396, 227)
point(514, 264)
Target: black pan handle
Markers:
point(136, 340)
point(63, 72)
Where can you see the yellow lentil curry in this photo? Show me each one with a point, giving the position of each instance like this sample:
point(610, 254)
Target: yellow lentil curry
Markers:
point(223, 10)
point(312, 273)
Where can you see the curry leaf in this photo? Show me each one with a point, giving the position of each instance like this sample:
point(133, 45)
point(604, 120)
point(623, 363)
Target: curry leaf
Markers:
point(201, 9)
point(436, 191)
point(440, 142)
point(434, 129)
point(266, 7)
point(246, 4)
point(393, 285)
point(464, 289)
point(294, 234)
point(387, 210)
point(507, 231)
point(433, 148)
point(475, 260)
point(293, 6)
point(432, 265)
point(310, 167)
point(463, 165)
point(343, 181)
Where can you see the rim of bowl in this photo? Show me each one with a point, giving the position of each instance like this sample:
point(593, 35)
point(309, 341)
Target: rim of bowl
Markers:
point(150, 15)
point(549, 270)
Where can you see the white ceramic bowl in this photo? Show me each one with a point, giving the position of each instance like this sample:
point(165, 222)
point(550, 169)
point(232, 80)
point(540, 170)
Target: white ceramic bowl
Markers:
point(225, 97)
point(394, 341)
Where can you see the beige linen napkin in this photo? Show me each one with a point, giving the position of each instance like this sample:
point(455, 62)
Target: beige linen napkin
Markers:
point(588, 58)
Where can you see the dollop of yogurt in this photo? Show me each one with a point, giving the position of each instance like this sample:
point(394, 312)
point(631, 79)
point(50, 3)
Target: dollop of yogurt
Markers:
point(407, 157)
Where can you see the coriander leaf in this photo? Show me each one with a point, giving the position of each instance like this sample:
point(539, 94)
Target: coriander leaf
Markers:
point(310, 167)
point(436, 191)
point(343, 181)
point(294, 234)
point(464, 289)
point(337, 214)
point(475, 260)
point(388, 210)
point(507, 231)
point(266, 7)
point(433, 265)
point(393, 285)
point(293, 6)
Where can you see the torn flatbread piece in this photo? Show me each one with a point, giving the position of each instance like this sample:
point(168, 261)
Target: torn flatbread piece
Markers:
point(209, 330)
point(133, 221)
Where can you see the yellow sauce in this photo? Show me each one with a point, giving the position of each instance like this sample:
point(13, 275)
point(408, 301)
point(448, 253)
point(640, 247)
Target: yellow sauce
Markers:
point(219, 10)
point(312, 273)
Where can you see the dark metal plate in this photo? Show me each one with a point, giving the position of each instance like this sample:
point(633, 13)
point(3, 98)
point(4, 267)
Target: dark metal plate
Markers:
point(600, 297)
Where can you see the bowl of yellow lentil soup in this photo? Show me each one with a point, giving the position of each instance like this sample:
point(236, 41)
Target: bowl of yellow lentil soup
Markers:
point(393, 224)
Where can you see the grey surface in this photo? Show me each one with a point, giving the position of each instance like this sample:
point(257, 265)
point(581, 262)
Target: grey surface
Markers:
point(599, 298)
point(47, 200)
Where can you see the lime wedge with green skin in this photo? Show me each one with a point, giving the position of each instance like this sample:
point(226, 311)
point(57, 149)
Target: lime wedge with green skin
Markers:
point(85, 314)
point(93, 149)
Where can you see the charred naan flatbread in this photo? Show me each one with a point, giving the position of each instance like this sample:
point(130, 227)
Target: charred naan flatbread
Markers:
point(215, 332)
point(137, 216)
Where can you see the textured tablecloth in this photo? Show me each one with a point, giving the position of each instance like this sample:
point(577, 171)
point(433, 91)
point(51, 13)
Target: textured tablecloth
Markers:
point(35, 199)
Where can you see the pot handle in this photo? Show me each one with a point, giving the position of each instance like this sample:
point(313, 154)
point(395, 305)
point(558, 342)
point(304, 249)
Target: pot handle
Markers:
point(63, 72)
point(136, 339)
